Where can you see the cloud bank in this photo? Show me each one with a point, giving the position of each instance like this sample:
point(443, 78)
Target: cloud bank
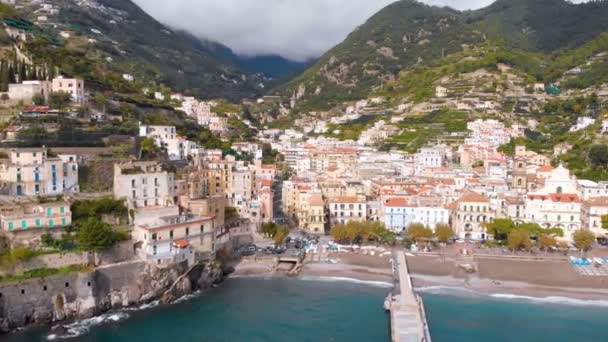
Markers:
point(295, 29)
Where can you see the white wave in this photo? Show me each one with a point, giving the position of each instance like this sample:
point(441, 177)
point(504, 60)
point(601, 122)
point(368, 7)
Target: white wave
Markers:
point(350, 280)
point(146, 306)
point(459, 291)
point(82, 327)
point(446, 290)
point(553, 300)
point(187, 297)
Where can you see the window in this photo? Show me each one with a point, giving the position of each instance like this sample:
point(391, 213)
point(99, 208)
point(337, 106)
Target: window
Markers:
point(64, 222)
point(187, 231)
point(171, 234)
point(133, 183)
point(38, 224)
point(51, 223)
point(49, 211)
point(23, 224)
point(10, 226)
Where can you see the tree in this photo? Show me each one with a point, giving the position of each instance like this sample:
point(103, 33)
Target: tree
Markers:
point(605, 222)
point(418, 232)
point(583, 239)
point(546, 242)
point(38, 100)
point(149, 148)
point(4, 98)
point(598, 155)
point(500, 228)
point(519, 239)
point(95, 235)
point(59, 99)
point(444, 233)
point(281, 234)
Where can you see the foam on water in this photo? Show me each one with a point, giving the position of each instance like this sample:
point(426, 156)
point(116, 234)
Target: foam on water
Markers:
point(82, 327)
point(349, 280)
point(462, 292)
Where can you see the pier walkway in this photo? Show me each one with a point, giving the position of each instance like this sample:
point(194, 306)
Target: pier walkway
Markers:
point(408, 319)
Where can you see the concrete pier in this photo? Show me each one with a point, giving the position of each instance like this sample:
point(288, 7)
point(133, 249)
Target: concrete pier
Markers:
point(408, 319)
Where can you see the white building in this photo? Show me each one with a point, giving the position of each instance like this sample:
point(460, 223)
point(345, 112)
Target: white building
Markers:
point(144, 184)
point(165, 137)
point(582, 123)
point(430, 157)
point(347, 208)
point(72, 86)
point(175, 238)
point(32, 172)
point(557, 205)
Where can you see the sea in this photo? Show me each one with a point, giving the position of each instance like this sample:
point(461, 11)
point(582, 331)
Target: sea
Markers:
point(332, 310)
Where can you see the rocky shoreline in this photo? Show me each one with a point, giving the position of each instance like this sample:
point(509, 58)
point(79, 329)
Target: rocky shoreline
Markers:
point(79, 296)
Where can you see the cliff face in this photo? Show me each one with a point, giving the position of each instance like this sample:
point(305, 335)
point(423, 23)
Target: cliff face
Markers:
point(78, 296)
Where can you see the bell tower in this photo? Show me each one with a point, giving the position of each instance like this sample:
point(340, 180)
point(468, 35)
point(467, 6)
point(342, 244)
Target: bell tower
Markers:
point(520, 166)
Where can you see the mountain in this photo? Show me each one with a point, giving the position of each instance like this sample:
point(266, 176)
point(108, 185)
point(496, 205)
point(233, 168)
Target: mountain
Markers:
point(117, 37)
point(408, 35)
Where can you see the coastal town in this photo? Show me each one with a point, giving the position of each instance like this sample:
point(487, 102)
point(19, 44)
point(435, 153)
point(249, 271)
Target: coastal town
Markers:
point(119, 189)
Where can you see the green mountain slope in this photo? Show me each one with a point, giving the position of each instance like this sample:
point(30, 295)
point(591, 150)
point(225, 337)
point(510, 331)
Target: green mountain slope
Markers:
point(536, 35)
point(117, 36)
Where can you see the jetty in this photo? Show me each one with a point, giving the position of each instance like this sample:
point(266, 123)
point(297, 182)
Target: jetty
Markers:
point(408, 318)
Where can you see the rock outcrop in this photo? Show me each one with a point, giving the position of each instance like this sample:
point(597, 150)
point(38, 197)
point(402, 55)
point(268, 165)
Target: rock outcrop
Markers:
point(84, 295)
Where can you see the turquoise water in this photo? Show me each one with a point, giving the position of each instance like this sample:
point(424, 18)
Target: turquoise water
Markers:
point(278, 310)
point(470, 317)
point(254, 310)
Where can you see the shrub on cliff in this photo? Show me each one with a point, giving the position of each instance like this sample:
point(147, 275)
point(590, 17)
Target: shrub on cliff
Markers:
point(95, 235)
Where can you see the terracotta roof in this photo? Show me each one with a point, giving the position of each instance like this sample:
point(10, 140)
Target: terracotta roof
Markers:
point(347, 199)
point(597, 202)
point(266, 182)
point(472, 196)
point(564, 198)
point(546, 168)
point(181, 243)
point(396, 202)
point(269, 166)
point(316, 201)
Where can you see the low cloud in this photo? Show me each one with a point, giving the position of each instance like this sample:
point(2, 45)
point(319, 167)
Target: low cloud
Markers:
point(295, 29)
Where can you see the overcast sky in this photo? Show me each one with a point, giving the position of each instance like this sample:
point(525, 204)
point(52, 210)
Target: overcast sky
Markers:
point(295, 29)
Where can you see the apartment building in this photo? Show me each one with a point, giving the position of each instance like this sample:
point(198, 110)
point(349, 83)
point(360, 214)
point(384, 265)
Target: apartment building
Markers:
point(175, 238)
point(144, 184)
point(72, 86)
point(347, 208)
point(33, 172)
point(25, 224)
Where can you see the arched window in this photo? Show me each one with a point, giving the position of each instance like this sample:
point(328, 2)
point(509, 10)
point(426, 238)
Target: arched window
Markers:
point(559, 190)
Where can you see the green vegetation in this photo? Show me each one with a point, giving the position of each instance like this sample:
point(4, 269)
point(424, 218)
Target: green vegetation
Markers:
point(444, 233)
point(419, 130)
point(519, 239)
point(277, 233)
point(59, 100)
point(96, 235)
point(362, 232)
point(419, 233)
point(269, 155)
point(415, 45)
point(583, 239)
point(501, 229)
point(83, 210)
point(46, 272)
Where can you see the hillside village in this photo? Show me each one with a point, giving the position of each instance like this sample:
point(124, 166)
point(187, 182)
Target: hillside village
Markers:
point(96, 173)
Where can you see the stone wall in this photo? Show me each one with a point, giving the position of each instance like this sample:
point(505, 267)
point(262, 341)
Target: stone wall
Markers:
point(54, 261)
point(46, 300)
point(120, 252)
point(83, 295)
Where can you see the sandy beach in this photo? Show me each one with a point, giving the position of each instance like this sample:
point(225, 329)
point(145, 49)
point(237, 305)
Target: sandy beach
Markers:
point(498, 277)
point(532, 278)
